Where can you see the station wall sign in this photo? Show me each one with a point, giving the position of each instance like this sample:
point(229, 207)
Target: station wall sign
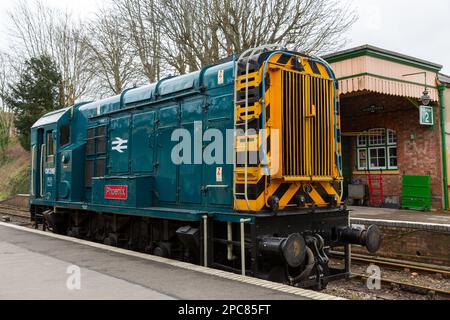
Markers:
point(426, 116)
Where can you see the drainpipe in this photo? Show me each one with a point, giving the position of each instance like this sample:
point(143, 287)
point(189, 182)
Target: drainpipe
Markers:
point(441, 89)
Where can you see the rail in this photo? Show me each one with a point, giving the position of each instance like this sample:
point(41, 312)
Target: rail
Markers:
point(408, 287)
point(397, 263)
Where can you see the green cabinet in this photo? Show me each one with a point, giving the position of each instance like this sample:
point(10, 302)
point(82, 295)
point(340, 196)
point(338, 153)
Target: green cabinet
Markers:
point(416, 192)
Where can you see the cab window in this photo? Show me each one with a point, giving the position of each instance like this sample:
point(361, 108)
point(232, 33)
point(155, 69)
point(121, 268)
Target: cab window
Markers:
point(64, 135)
point(50, 147)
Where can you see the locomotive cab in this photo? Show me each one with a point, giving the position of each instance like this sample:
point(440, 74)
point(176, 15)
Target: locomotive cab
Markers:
point(45, 151)
point(55, 162)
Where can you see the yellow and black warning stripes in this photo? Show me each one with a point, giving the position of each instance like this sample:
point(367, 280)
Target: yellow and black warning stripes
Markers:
point(298, 101)
point(319, 194)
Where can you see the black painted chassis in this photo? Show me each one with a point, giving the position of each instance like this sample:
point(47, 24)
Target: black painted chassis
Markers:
point(325, 222)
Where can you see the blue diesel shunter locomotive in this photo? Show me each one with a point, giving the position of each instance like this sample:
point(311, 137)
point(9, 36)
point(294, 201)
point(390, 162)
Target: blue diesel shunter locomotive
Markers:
point(156, 169)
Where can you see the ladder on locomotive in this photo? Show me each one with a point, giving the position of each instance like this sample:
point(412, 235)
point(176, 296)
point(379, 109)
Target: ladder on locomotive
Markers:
point(244, 125)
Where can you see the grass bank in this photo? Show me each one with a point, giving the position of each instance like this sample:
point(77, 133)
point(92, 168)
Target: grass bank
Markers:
point(14, 171)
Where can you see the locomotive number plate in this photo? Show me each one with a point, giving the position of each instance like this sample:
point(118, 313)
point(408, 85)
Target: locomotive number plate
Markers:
point(116, 192)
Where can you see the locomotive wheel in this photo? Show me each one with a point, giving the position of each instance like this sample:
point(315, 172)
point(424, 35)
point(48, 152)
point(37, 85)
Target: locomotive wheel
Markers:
point(56, 222)
point(60, 228)
point(110, 240)
point(162, 250)
point(74, 232)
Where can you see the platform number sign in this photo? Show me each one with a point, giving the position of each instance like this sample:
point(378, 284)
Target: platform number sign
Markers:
point(426, 116)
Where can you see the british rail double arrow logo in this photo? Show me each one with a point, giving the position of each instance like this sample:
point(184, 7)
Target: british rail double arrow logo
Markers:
point(119, 145)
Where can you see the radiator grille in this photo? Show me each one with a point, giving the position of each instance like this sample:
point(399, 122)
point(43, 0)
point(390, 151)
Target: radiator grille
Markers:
point(308, 126)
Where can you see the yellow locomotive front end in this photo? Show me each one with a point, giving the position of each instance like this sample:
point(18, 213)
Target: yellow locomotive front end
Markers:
point(288, 146)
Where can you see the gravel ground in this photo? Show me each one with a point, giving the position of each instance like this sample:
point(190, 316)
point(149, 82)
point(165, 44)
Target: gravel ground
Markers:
point(356, 289)
point(24, 222)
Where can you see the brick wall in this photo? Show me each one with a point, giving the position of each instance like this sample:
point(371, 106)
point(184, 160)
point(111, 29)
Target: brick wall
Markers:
point(413, 244)
point(418, 147)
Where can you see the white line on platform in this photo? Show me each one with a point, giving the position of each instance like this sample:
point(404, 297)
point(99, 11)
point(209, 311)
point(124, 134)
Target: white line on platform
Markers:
point(218, 273)
point(404, 222)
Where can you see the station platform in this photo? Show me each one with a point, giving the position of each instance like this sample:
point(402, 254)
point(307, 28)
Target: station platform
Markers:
point(422, 237)
point(41, 265)
point(439, 221)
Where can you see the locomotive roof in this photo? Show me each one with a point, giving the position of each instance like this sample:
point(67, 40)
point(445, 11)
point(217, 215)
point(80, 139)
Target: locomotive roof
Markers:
point(166, 88)
point(51, 117)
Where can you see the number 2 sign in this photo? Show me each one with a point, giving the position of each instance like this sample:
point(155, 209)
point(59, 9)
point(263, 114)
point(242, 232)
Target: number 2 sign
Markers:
point(426, 116)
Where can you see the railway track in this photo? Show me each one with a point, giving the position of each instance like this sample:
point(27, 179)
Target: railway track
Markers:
point(397, 264)
point(6, 210)
point(432, 293)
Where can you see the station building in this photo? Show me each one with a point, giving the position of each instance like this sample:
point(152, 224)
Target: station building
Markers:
point(384, 132)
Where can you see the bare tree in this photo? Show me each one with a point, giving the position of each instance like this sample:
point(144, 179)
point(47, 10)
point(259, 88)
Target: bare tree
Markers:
point(303, 25)
point(112, 60)
point(40, 30)
point(6, 77)
point(200, 32)
point(191, 33)
point(6, 116)
point(141, 24)
point(138, 39)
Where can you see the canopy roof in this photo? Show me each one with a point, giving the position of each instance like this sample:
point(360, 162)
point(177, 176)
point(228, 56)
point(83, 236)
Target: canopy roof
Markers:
point(368, 68)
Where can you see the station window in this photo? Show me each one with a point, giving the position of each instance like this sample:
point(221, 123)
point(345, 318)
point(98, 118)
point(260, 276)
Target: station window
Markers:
point(377, 150)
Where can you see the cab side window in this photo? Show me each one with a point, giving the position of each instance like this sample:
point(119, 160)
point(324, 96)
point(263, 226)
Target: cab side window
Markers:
point(64, 135)
point(50, 147)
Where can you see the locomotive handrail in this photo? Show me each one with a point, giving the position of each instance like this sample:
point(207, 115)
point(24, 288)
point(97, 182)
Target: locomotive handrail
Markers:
point(243, 222)
point(158, 85)
point(41, 177)
point(33, 170)
point(122, 96)
point(124, 177)
point(250, 52)
point(215, 186)
point(205, 240)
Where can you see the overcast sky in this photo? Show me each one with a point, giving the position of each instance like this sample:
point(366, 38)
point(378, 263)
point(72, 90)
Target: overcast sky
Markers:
point(413, 27)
